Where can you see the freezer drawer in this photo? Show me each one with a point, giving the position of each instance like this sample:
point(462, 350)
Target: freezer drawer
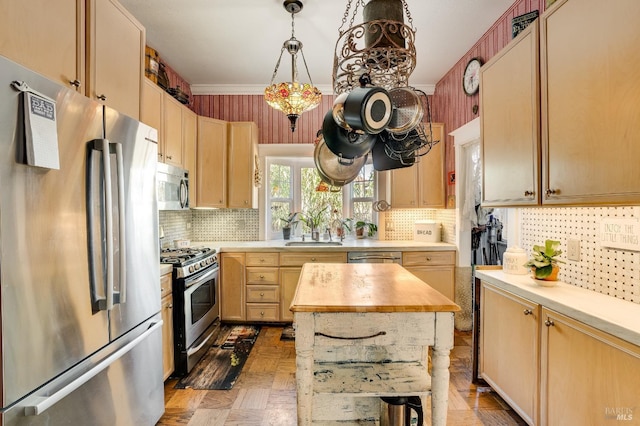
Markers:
point(129, 391)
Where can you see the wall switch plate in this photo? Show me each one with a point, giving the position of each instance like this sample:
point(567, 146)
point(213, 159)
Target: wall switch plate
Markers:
point(573, 250)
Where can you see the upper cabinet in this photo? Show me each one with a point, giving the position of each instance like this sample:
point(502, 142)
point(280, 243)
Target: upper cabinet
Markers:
point(151, 107)
point(510, 123)
point(588, 115)
point(95, 46)
point(115, 63)
point(590, 91)
point(190, 147)
point(46, 36)
point(423, 184)
point(211, 175)
point(242, 165)
point(172, 131)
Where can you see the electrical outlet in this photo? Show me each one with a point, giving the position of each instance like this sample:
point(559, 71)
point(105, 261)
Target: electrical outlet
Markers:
point(573, 250)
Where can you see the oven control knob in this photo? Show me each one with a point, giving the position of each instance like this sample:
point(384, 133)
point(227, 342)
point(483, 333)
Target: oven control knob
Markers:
point(203, 263)
point(191, 268)
point(197, 266)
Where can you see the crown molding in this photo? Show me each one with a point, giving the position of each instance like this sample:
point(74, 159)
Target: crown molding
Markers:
point(255, 89)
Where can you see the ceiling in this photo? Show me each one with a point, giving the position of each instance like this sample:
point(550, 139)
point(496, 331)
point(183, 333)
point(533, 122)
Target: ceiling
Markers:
point(231, 46)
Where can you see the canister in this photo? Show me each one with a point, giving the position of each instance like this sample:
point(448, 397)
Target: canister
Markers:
point(514, 260)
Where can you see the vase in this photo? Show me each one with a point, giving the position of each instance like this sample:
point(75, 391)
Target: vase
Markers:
point(548, 281)
point(286, 233)
point(359, 232)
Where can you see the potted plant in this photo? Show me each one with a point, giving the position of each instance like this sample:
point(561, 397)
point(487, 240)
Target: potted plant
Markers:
point(343, 224)
point(544, 262)
point(372, 228)
point(312, 219)
point(288, 223)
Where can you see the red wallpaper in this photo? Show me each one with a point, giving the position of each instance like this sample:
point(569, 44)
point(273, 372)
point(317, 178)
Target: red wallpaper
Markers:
point(451, 105)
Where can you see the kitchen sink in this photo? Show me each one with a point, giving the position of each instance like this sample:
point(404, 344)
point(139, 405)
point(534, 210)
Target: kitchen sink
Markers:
point(313, 243)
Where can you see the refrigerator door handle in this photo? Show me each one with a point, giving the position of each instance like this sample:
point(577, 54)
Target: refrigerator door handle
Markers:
point(108, 201)
point(44, 403)
point(94, 194)
point(121, 224)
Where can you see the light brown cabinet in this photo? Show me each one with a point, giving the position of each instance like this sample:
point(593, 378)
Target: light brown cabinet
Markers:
point(510, 327)
point(588, 109)
point(95, 46)
point(189, 150)
point(587, 376)
point(116, 42)
point(46, 36)
point(263, 287)
point(166, 307)
point(510, 123)
point(436, 268)
point(211, 175)
point(151, 107)
point(423, 184)
point(242, 161)
point(288, 283)
point(232, 287)
point(172, 130)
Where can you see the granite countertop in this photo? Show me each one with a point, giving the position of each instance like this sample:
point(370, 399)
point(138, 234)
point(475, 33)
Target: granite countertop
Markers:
point(364, 244)
point(612, 315)
point(362, 287)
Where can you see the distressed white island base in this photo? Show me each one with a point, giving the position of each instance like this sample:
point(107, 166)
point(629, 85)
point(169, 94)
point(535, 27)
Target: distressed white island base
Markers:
point(364, 331)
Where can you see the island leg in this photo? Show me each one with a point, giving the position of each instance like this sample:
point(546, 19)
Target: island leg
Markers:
point(304, 332)
point(440, 368)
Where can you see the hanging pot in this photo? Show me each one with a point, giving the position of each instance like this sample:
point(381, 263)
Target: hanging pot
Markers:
point(334, 170)
point(407, 110)
point(338, 111)
point(382, 161)
point(368, 109)
point(345, 143)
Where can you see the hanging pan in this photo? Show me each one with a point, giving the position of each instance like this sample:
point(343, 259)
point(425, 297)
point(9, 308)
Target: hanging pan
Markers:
point(407, 110)
point(368, 109)
point(333, 170)
point(345, 143)
point(381, 159)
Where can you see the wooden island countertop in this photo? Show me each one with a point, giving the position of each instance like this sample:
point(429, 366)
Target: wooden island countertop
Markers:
point(365, 287)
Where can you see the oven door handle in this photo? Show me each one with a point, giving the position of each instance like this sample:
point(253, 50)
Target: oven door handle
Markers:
point(203, 278)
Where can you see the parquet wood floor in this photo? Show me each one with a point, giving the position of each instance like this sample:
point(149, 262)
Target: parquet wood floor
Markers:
point(265, 393)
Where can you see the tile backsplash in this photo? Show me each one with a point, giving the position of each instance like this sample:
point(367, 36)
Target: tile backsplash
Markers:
point(225, 225)
point(402, 220)
point(609, 271)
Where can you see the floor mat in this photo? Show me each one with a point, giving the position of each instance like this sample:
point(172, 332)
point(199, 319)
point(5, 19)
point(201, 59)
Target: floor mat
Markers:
point(220, 367)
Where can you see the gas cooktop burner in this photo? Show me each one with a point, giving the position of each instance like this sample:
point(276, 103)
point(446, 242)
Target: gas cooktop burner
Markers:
point(188, 261)
point(178, 256)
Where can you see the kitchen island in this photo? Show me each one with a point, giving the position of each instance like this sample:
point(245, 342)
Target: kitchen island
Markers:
point(365, 331)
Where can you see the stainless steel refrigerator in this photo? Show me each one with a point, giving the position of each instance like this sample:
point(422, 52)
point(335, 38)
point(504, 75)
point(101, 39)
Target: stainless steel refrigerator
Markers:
point(79, 274)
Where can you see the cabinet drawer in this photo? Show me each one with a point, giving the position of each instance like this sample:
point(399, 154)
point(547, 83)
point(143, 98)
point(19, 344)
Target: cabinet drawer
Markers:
point(165, 285)
point(262, 259)
point(423, 258)
point(262, 275)
point(262, 312)
point(263, 293)
point(299, 259)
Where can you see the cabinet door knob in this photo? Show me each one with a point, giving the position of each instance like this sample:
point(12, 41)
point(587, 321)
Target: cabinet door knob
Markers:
point(246, 202)
point(549, 322)
point(169, 157)
point(102, 97)
point(75, 83)
point(262, 294)
point(428, 259)
point(262, 277)
point(527, 312)
point(261, 314)
point(528, 193)
point(313, 259)
point(551, 192)
point(170, 306)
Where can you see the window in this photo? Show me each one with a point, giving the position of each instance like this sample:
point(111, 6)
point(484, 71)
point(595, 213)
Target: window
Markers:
point(295, 186)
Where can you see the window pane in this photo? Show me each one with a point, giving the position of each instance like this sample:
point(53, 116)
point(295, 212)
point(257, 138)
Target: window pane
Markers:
point(363, 186)
point(363, 211)
point(279, 210)
point(323, 206)
point(280, 181)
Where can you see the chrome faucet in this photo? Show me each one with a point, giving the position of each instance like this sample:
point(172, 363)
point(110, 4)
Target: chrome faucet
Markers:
point(329, 232)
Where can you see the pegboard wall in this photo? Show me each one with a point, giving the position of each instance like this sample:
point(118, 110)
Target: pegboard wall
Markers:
point(399, 223)
point(604, 270)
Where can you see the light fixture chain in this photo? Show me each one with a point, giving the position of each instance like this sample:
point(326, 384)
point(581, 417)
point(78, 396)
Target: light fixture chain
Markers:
point(273, 77)
point(344, 17)
point(293, 25)
point(304, 61)
point(406, 11)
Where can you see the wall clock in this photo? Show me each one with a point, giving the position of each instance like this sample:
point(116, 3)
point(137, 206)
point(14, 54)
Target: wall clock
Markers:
point(471, 76)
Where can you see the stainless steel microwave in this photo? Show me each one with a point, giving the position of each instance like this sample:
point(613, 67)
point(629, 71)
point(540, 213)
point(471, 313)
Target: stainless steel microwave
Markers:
point(172, 187)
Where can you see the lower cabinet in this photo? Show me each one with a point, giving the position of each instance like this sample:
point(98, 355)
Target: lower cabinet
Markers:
point(288, 282)
point(436, 268)
point(509, 342)
point(232, 283)
point(263, 289)
point(552, 369)
point(166, 306)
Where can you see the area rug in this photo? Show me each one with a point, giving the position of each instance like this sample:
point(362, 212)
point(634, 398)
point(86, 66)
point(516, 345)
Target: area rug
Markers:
point(220, 367)
point(288, 333)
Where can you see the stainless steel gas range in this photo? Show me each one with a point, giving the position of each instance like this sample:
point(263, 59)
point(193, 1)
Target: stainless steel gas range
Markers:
point(196, 303)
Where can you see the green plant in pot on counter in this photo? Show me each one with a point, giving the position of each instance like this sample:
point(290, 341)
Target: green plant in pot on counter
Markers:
point(289, 222)
point(544, 262)
point(312, 218)
point(372, 228)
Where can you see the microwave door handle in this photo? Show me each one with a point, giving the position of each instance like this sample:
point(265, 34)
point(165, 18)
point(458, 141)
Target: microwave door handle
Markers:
point(108, 201)
point(94, 190)
point(184, 194)
point(121, 224)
